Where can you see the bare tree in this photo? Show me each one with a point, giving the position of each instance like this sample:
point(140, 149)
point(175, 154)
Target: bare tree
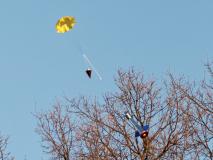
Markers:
point(200, 113)
point(179, 116)
point(4, 155)
point(56, 131)
point(106, 133)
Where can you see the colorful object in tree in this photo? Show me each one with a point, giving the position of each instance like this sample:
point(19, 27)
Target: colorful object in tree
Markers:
point(141, 131)
point(145, 132)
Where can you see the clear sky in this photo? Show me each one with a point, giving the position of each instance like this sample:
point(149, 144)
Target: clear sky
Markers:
point(39, 66)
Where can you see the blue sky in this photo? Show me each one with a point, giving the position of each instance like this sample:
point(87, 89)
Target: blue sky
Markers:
point(39, 66)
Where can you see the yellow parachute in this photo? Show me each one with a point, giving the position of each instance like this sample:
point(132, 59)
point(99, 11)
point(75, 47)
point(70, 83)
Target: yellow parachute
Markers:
point(64, 24)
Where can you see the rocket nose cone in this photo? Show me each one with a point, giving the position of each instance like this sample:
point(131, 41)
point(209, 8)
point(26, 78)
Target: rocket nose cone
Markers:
point(89, 72)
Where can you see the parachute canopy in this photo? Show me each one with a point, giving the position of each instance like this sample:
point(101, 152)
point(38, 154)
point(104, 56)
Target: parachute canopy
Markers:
point(64, 24)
